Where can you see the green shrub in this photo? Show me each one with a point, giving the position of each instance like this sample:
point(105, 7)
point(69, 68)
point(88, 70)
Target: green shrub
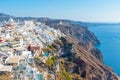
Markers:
point(66, 75)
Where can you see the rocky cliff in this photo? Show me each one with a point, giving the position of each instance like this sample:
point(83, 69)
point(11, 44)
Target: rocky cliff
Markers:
point(82, 64)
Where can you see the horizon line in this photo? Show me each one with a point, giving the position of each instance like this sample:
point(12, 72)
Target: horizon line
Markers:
point(86, 21)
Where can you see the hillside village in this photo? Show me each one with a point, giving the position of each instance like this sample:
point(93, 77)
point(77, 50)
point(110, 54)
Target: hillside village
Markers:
point(49, 50)
point(23, 42)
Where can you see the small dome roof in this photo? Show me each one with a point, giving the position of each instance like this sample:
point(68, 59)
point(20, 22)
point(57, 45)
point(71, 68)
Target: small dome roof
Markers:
point(11, 20)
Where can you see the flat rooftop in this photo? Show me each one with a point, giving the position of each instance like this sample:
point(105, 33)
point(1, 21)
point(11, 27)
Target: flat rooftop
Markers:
point(5, 68)
point(14, 59)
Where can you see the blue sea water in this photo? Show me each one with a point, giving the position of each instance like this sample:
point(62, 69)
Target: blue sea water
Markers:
point(109, 36)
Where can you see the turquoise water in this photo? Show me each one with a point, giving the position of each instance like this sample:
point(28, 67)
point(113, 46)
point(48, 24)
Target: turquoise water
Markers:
point(109, 36)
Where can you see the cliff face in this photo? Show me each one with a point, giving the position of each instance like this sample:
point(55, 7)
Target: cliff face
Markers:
point(81, 64)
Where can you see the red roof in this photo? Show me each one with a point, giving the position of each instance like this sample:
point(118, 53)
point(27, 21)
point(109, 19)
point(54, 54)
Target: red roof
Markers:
point(1, 40)
point(33, 48)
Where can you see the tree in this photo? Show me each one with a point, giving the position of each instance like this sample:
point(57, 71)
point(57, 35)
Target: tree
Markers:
point(49, 63)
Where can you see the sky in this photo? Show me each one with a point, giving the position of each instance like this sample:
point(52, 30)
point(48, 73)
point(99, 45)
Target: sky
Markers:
point(79, 10)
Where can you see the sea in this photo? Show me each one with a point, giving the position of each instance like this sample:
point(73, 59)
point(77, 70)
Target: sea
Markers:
point(109, 36)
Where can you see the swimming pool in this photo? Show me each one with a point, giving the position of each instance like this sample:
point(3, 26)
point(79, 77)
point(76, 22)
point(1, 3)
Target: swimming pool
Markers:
point(46, 54)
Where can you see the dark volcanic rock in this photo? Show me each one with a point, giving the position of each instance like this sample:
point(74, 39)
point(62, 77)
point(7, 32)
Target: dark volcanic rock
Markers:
point(97, 53)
